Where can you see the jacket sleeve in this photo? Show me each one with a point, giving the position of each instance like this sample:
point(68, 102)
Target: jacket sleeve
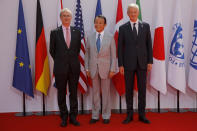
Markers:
point(149, 47)
point(87, 55)
point(79, 48)
point(120, 47)
point(113, 55)
point(52, 44)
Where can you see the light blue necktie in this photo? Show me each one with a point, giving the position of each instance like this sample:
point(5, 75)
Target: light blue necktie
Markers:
point(98, 42)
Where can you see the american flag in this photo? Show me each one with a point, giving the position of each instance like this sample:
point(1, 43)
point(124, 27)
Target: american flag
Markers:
point(79, 24)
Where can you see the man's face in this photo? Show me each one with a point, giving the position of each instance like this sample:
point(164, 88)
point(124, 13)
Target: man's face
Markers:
point(133, 14)
point(99, 24)
point(66, 18)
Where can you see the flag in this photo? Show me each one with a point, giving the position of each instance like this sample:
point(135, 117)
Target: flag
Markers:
point(22, 79)
point(42, 73)
point(192, 82)
point(158, 72)
point(59, 23)
point(176, 64)
point(140, 14)
point(79, 24)
point(98, 8)
point(60, 7)
point(118, 79)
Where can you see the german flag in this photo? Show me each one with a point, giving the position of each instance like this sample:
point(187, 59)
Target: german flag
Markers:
point(42, 73)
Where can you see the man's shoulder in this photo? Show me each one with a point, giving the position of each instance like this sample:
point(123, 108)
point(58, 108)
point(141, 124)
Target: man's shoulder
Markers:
point(91, 35)
point(108, 34)
point(144, 23)
point(125, 25)
point(75, 29)
point(56, 29)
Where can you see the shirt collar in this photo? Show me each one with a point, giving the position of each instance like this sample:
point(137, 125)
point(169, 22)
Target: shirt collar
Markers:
point(64, 28)
point(137, 22)
point(100, 33)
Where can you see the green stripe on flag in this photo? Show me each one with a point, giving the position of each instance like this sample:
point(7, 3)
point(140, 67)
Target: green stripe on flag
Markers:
point(140, 14)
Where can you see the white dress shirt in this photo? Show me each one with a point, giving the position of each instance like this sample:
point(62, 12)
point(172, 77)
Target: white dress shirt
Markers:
point(136, 25)
point(101, 36)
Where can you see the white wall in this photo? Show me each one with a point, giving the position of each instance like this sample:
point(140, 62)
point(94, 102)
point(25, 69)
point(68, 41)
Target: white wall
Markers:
point(11, 99)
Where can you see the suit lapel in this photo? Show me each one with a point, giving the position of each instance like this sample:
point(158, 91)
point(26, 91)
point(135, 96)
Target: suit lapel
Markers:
point(130, 31)
point(103, 42)
point(71, 33)
point(140, 26)
point(94, 42)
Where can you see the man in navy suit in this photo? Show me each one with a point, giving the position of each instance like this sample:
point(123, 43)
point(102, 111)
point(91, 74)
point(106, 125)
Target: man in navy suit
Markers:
point(65, 44)
point(135, 56)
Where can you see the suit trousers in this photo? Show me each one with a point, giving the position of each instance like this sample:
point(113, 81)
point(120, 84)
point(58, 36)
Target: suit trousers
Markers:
point(61, 83)
point(141, 84)
point(102, 85)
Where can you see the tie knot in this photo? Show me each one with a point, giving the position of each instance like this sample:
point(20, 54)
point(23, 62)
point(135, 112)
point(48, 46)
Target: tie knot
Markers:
point(134, 24)
point(67, 29)
point(99, 35)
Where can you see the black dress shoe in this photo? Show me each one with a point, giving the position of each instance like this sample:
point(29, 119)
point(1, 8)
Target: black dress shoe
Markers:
point(74, 122)
point(92, 121)
point(106, 121)
point(63, 124)
point(127, 120)
point(144, 120)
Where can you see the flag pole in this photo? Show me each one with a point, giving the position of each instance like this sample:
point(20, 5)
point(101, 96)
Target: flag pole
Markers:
point(120, 105)
point(158, 101)
point(24, 109)
point(24, 113)
point(101, 102)
point(43, 105)
point(196, 102)
point(82, 111)
point(178, 109)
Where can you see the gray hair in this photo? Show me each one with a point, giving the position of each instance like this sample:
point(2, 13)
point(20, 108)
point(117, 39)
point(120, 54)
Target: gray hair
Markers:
point(65, 10)
point(133, 5)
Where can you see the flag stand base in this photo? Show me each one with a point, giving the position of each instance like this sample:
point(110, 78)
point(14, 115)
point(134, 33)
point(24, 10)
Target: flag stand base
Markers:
point(22, 114)
point(156, 110)
point(57, 113)
point(46, 113)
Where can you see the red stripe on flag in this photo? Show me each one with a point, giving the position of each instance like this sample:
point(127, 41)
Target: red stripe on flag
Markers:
point(81, 88)
point(40, 55)
point(158, 46)
point(83, 77)
point(61, 4)
point(81, 61)
point(116, 40)
point(119, 14)
point(119, 83)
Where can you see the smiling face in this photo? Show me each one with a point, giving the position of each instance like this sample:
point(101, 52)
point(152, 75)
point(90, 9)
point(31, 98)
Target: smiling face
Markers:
point(99, 24)
point(133, 13)
point(66, 18)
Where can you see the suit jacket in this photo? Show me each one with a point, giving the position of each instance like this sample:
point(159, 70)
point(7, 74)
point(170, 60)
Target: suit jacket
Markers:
point(105, 58)
point(63, 56)
point(134, 53)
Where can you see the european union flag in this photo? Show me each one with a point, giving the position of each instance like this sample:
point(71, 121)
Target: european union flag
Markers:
point(98, 8)
point(22, 79)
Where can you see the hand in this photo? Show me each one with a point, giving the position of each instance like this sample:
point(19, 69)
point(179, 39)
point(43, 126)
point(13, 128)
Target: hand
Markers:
point(149, 67)
point(121, 69)
point(111, 74)
point(88, 74)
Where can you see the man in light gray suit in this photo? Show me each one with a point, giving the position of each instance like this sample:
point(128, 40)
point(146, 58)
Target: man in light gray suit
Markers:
point(100, 64)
